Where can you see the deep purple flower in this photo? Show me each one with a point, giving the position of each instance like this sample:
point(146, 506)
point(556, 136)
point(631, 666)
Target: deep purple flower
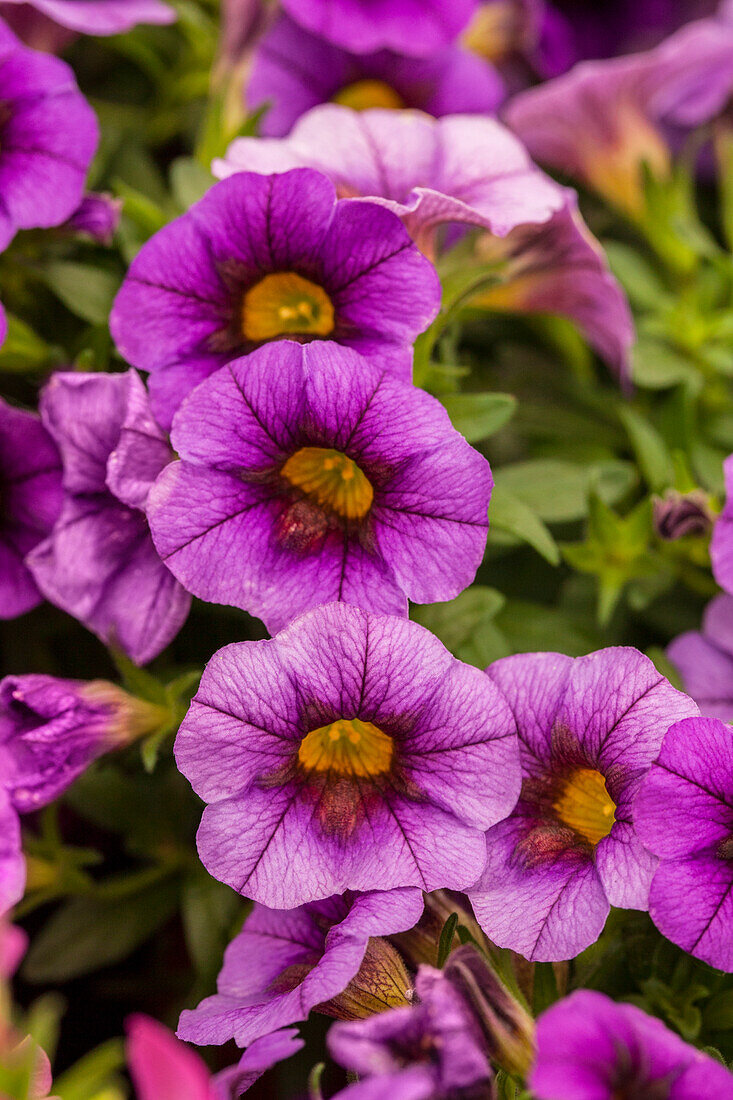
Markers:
point(324, 479)
point(97, 216)
point(414, 27)
point(721, 546)
point(101, 16)
point(705, 660)
point(284, 963)
point(589, 729)
point(428, 1051)
point(30, 502)
point(679, 515)
point(260, 258)
point(352, 749)
point(684, 814)
point(604, 120)
point(469, 171)
point(48, 135)
point(293, 71)
point(99, 562)
point(589, 1048)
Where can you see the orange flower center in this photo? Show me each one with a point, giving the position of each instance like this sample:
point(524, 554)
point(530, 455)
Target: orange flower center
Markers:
point(586, 806)
point(331, 480)
point(286, 303)
point(364, 94)
point(349, 747)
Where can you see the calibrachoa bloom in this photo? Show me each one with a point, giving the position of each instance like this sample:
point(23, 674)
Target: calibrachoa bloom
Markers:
point(163, 1068)
point(589, 729)
point(428, 1051)
point(352, 749)
point(324, 479)
point(99, 562)
point(293, 71)
point(604, 120)
point(721, 546)
point(284, 963)
point(101, 16)
point(260, 258)
point(31, 495)
point(684, 814)
point(416, 27)
point(705, 660)
point(48, 136)
point(589, 1048)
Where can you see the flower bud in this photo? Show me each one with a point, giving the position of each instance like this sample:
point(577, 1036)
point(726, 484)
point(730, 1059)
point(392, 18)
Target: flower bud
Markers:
point(678, 514)
point(382, 982)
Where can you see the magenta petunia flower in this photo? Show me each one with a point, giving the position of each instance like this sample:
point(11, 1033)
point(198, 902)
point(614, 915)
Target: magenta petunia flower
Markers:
point(684, 814)
point(284, 963)
point(469, 171)
point(293, 71)
point(589, 729)
point(48, 136)
point(428, 1051)
point(705, 660)
point(589, 1048)
point(352, 749)
point(101, 16)
point(261, 258)
point(721, 546)
point(325, 479)
point(604, 120)
point(414, 27)
point(99, 562)
point(31, 494)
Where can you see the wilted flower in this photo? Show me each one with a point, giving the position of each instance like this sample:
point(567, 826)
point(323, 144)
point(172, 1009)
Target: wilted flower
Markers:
point(684, 814)
point(31, 495)
point(262, 258)
point(325, 479)
point(352, 749)
point(101, 16)
point(589, 728)
point(705, 660)
point(293, 71)
point(721, 546)
point(284, 963)
point(589, 1048)
point(99, 562)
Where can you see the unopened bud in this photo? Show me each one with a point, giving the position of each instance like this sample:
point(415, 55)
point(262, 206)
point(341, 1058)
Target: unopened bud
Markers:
point(382, 982)
point(678, 514)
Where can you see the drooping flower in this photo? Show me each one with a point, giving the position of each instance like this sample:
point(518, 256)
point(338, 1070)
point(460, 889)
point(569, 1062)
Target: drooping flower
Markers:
point(427, 1051)
point(469, 171)
point(293, 71)
point(99, 562)
point(284, 963)
point(101, 16)
point(590, 1048)
point(163, 1068)
point(721, 546)
point(325, 479)
point(48, 136)
point(262, 258)
point(705, 660)
point(30, 502)
point(604, 120)
point(413, 27)
point(352, 749)
point(684, 814)
point(589, 729)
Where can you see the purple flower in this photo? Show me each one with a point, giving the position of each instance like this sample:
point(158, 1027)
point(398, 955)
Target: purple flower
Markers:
point(705, 660)
point(721, 546)
point(293, 71)
point(13, 946)
point(286, 962)
point(48, 135)
point(30, 502)
point(414, 27)
point(684, 814)
point(325, 479)
point(12, 864)
point(428, 1051)
point(589, 1048)
point(352, 749)
point(589, 729)
point(260, 258)
point(97, 216)
point(678, 515)
point(102, 16)
point(604, 120)
point(99, 562)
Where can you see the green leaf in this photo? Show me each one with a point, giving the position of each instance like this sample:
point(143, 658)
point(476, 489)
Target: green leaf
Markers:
point(478, 415)
point(24, 350)
point(92, 1073)
point(532, 627)
point(544, 991)
point(637, 276)
point(445, 942)
point(508, 513)
point(85, 290)
point(557, 491)
point(656, 366)
point(189, 181)
point(208, 910)
point(456, 621)
point(650, 449)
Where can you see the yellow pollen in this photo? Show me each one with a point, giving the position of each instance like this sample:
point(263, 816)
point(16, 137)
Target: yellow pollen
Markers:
point(586, 806)
point(349, 747)
point(364, 94)
point(330, 479)
point(283, 303)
